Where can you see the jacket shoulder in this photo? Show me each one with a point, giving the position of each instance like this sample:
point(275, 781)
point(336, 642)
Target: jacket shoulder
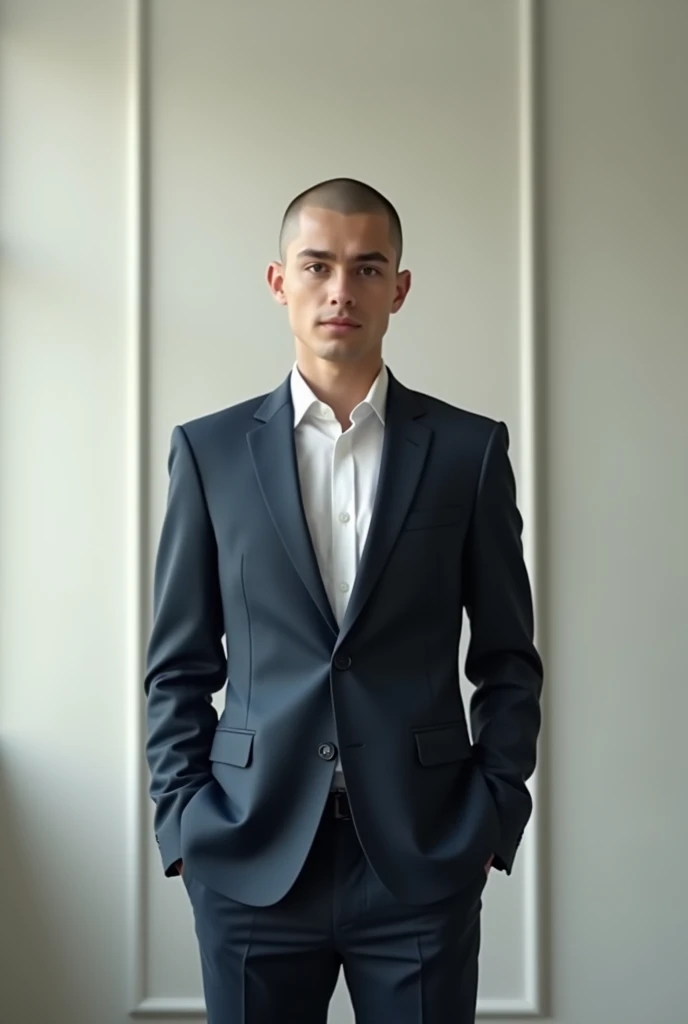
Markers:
point(213, 425)
point(446, 416)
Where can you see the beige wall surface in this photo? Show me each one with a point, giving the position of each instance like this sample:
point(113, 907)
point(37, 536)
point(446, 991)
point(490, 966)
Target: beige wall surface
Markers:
point(538, 155)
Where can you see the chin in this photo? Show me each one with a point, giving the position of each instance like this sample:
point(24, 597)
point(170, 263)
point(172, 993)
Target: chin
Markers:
point(335, 350)
point(341, 353)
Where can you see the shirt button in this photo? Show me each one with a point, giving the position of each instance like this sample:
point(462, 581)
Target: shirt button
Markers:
point(344, 587)
point(327, 751)
point(344, 517)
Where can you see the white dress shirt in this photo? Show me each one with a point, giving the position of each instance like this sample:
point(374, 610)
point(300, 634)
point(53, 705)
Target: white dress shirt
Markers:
point(338, 475)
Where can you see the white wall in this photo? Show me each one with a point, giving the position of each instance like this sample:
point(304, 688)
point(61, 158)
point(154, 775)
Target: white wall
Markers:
point(616, 388)
point(430, 103)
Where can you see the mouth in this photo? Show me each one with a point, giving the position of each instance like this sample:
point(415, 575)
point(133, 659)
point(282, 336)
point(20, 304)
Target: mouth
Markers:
point(340, 323)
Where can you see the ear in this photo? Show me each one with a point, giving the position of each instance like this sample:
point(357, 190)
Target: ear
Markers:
point(402, 289)
point(275, 278)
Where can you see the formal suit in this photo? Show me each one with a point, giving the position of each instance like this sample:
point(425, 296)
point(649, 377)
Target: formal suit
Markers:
point(369, 698)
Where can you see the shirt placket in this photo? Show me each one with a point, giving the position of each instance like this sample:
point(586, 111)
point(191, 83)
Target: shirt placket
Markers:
point(343, 522)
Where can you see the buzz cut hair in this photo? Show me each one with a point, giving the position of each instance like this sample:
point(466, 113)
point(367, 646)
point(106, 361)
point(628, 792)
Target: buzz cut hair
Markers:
point(343, 195)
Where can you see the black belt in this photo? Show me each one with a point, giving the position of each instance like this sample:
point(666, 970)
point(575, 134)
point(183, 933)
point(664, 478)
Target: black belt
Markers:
point(338, 805)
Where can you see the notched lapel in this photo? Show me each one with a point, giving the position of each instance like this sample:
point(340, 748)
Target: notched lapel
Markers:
point(274, 460)
point(405, 451)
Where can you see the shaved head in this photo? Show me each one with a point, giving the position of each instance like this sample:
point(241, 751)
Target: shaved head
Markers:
point(342, 195)
point(338, 275)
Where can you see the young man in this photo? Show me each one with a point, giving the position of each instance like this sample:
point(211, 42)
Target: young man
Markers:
point(339, 813)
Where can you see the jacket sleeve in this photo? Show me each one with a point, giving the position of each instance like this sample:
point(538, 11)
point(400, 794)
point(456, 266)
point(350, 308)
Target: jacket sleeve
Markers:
point(502, 662)
point(186, 661)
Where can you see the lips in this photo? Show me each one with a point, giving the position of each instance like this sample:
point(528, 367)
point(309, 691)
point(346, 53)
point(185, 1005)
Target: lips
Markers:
point(340, 321)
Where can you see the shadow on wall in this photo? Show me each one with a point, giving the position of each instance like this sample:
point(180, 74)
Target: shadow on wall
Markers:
point(37, 960)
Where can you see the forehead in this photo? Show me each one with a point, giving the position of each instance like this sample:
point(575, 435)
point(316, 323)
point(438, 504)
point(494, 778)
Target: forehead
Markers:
point(344, 234)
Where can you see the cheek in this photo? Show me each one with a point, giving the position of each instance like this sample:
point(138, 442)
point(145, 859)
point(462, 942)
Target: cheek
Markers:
point(380, 305)
point(302, 291)
point(301, 301)
point(306, 297)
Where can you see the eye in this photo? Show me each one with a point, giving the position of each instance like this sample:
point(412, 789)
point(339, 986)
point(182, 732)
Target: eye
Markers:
point(316, 268)
point(369, 272)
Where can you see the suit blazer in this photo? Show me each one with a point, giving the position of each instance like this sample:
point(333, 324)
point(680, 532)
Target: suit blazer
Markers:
point(240, 798)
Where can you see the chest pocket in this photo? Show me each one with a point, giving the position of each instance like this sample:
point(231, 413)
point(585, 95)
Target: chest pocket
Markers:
point(436, 516)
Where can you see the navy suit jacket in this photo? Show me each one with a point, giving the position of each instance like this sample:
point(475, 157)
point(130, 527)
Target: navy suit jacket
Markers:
point(240, 799)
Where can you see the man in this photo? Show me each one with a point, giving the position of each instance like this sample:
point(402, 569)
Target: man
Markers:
point(339, 814)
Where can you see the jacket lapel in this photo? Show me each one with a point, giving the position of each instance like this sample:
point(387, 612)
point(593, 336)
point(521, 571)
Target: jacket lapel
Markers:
point(274, 458)
point(405, 450)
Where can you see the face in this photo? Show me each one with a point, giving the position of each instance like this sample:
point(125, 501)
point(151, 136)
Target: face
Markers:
point(340, 285)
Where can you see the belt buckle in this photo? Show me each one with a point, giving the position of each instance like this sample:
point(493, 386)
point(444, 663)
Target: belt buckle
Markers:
point(341, 805)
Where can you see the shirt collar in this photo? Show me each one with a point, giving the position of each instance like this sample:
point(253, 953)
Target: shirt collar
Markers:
point(304, 400)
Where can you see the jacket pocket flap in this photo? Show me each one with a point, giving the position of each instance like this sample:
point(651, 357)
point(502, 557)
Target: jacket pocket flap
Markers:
point(232, 746)
point(442, 744)
point(440, 515)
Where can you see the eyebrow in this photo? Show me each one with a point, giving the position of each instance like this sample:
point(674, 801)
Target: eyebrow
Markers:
point(361, 257)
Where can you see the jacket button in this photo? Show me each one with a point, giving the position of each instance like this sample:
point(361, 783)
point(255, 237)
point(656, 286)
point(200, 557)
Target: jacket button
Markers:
point(327, 751)
point(342, 662)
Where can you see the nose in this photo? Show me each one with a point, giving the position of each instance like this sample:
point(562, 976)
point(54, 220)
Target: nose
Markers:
point(341, 293)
